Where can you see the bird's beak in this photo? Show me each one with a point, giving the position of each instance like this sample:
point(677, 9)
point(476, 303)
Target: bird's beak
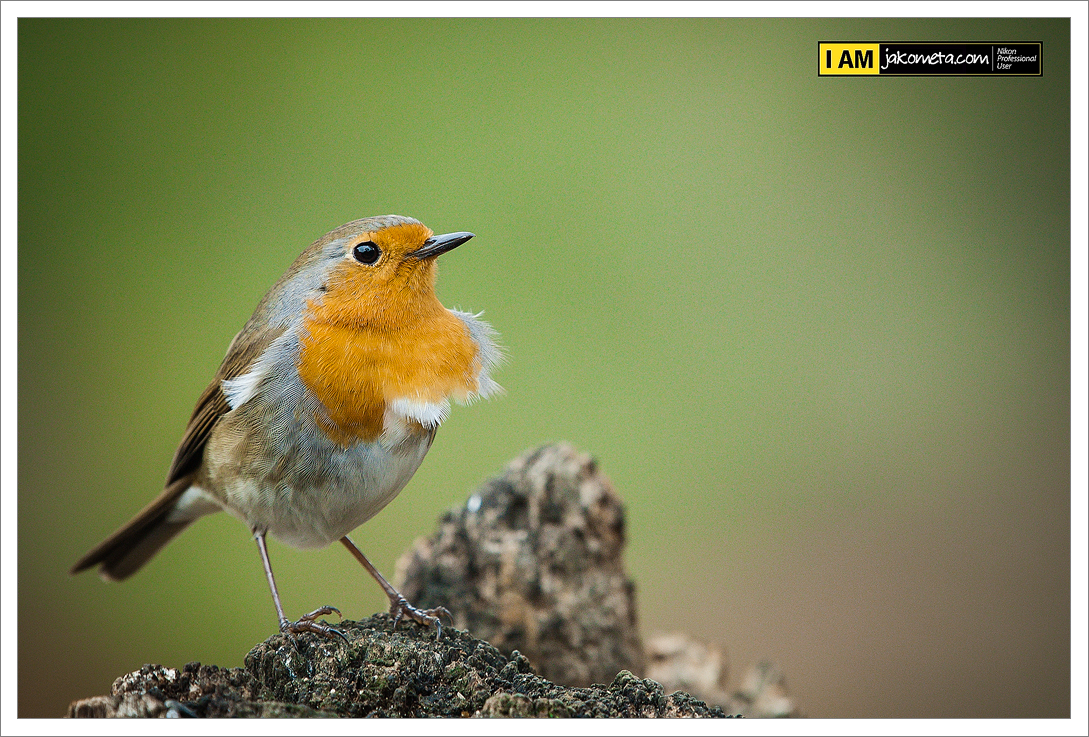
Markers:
point(439, 244)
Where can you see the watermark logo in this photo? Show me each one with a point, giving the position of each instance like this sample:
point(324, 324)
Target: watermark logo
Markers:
point(927, 59)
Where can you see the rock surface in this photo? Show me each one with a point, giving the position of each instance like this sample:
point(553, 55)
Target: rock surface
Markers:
point(378, 673)
point(533, 562)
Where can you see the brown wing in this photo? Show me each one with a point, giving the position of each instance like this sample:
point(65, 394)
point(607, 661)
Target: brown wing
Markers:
point(126, 550)
point(212, 404)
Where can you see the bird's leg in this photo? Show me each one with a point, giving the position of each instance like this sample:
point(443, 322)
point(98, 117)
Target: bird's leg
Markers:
point(398, 605)
point(306, 622)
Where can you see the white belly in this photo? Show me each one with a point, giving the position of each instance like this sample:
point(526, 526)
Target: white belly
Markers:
point(290, 480)
point(313, 513)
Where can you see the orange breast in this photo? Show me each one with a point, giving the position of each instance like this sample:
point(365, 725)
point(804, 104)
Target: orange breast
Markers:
point(355, 369)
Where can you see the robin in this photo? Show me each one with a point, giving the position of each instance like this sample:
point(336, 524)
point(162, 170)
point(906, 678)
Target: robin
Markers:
point(324, 406)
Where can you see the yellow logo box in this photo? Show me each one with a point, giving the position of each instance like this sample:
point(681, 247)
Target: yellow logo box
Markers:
point(840, 58)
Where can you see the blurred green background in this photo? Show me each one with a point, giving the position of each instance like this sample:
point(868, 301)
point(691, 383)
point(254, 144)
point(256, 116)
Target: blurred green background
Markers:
point(816, 331)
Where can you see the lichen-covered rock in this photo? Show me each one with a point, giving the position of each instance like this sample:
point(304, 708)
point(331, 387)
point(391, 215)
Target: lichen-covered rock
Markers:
point(378, 673)
point(193, 691)
point(533, 562)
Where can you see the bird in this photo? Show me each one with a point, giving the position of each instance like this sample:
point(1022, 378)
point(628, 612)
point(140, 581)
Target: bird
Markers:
point(324, 406)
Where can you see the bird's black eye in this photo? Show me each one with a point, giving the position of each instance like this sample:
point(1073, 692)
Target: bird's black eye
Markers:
point(367, 253)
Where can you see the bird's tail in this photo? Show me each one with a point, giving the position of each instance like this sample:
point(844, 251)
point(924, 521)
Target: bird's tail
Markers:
point(127, 550)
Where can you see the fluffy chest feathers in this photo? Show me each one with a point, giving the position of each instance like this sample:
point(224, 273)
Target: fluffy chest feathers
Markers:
point(368, 376)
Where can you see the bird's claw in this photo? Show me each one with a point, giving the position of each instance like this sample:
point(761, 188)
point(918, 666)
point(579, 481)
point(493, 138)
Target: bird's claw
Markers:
point(307, 623)
point(400, 608)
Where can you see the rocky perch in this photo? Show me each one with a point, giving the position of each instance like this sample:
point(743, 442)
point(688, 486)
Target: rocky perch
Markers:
point(532, 564)
point(379, 673)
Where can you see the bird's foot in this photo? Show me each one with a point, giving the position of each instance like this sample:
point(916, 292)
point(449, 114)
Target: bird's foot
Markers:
point(307, 623)
point(400, 608)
